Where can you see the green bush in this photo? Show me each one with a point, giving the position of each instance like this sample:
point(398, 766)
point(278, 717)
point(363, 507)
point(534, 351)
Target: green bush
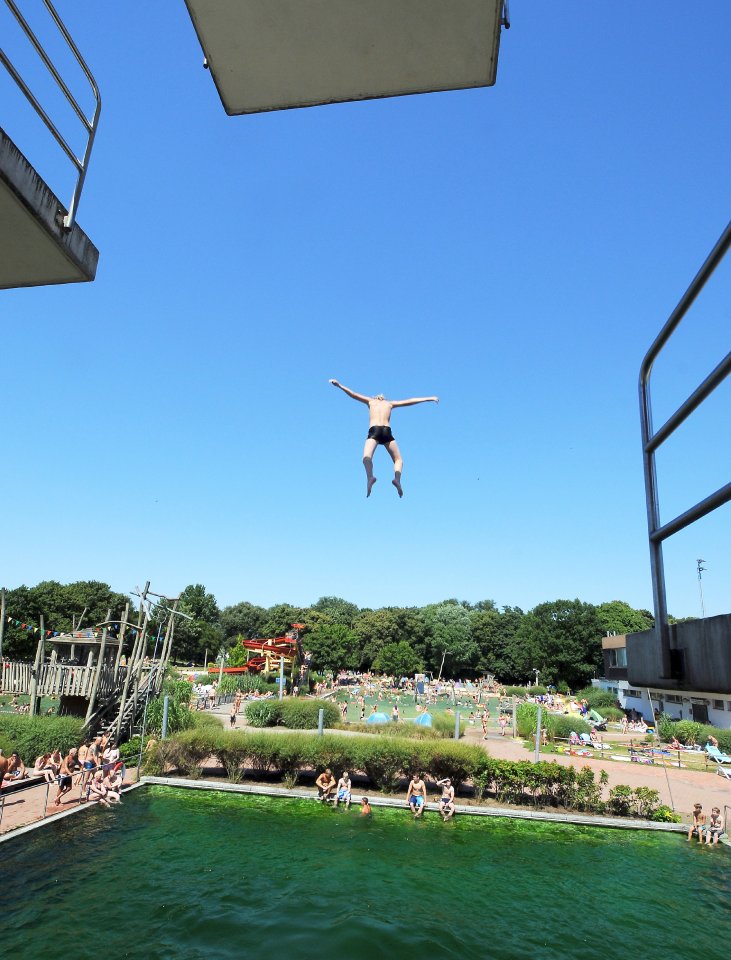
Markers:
point(131, 749)
point(610, 713)
point(303, 714)
point(246, 683)
point(560, 726)
point(690, 732)
point(180, 717)
point(386, 761)
point(557, 726)
point(178, 690)
point(597, 698)
point(32, 736)
point(664, 814)
point(262, 713)
point(515, 691)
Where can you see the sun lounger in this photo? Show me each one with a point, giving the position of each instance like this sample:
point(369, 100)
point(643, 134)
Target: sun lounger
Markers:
point(715, 754)
point(724, 772)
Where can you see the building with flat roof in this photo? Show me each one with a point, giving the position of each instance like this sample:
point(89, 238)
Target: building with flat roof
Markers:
point(699, 687)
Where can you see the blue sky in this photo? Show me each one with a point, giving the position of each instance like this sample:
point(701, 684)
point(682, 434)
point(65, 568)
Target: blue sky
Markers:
point(514, 250)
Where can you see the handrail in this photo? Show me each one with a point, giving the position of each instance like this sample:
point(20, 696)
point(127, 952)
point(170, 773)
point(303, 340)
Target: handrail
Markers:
point(90, 125)
point(652, 440)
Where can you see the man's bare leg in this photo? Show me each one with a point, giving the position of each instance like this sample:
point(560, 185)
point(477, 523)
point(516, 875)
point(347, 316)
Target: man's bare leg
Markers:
point(398, 465)
point(368, 450)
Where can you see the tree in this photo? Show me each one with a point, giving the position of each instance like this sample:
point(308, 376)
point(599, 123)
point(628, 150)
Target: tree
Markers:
point(61, 606)
point(333, 647)
point(279, 619)
point(449, 637)
point(376, 628)
point(398, 660)
point(337, 610)
point(562, 640)
point(203, 632)
point(242, 619)
point(494, 633)
point(619, 617)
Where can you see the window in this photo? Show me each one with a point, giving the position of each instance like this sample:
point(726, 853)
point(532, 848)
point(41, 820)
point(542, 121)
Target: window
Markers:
point(718, 704)
point(673, 698)
point(633, 693)
point(618, 657)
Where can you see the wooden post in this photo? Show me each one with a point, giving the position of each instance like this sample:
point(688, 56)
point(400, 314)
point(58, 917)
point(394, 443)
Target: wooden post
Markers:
point(169, 633)
point(2, 622)
point(35, 676)
point(97, 674)
point(122, 628)
point(139, 665)
point(128, 672)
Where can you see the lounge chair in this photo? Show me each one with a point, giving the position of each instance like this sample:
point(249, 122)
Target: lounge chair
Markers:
point(715, 754)
point(723, 772)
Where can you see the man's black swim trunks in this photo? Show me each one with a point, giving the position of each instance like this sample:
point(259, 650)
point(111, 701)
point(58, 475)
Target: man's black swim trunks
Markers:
point(380, 435)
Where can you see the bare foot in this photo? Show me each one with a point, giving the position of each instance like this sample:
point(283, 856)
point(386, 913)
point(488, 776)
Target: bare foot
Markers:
point(397, 484)
point(370, 486)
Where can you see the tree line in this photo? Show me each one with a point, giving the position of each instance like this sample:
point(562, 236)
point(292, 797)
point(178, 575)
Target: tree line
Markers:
point(561, 639)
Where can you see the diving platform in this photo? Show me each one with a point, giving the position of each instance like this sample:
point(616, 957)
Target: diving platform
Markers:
point(35, 245)
point(277, 54)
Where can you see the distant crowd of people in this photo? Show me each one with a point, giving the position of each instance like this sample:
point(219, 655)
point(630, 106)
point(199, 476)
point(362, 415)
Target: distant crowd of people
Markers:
point(95, 766)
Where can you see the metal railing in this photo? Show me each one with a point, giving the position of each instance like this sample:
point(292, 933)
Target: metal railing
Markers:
point(658, 532)
point(90, 125)
point(35, 796)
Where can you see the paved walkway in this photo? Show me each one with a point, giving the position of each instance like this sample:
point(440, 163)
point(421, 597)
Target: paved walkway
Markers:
point(33, 803)
point(679, 789)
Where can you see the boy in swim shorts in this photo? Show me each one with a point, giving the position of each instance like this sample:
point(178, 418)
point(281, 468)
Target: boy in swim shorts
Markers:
point(343, 791)
point(379, 432)
point(416, 795)
point(446, 801)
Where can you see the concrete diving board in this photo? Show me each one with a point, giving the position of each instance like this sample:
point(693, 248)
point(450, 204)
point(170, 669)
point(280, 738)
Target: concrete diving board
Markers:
point(277, 54)
point(35, 248)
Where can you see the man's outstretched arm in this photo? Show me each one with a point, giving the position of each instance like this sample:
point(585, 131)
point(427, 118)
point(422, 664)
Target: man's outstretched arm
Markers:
point(413, 400)
point(351, 393)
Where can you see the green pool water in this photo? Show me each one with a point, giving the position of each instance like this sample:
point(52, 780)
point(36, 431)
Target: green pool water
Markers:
point(190, 874)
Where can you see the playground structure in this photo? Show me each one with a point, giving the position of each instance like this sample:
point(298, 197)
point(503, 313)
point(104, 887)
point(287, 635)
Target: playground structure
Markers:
point(102, 673)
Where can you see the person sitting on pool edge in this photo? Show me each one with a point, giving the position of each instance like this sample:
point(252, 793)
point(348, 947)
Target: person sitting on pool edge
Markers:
point(446, 801)
point(379, 432)
point(325, 784)
point(416, 795)
point(699, 822)
point(343, 791)
point(715, 826)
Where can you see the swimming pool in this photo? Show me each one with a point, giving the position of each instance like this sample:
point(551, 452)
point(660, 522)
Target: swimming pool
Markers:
point(179, 874)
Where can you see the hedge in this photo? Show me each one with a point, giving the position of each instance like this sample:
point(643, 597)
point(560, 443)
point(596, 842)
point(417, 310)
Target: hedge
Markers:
point(32, 736)
point(386, 761)
point(597, 698)
point(442, 729)
point(293, 713)
point(558, 726)
point(690, 732)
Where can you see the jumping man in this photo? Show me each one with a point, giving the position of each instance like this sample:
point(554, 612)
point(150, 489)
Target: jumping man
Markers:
point(379, 432)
